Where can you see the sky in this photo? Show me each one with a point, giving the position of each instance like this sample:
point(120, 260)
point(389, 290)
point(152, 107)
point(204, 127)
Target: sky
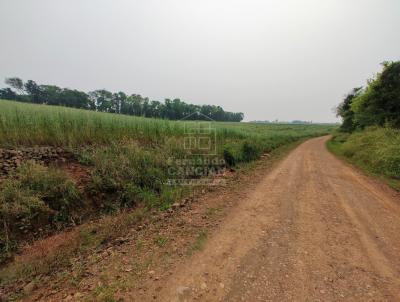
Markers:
point(270, 59)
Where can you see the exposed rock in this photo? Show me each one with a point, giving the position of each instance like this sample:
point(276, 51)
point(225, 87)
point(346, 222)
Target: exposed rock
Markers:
point(10, 159)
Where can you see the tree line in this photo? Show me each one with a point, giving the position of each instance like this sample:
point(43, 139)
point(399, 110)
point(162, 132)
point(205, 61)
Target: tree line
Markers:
point(106, 101)
point(377, 104)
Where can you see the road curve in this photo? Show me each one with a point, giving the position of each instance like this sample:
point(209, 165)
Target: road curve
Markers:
point(314, 229)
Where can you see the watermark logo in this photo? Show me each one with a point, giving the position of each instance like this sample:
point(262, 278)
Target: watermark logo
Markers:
point(201, 165)
point(200, 137)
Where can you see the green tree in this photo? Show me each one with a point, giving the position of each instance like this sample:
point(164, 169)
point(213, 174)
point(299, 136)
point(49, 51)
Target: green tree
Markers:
point(7, 94)
point(102, 100)
point(345, 112)
point(380, 103)
point(15, 83)
point(33, 90)
point(50, 94)
point(74, 98)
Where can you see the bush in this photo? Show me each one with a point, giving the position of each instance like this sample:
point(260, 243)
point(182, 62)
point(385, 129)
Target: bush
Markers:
point(250, 151)
point(229, 156)
point(128, 175)
point(53, 186)
point(21, 209)
point(34, 197)
point(376, 149)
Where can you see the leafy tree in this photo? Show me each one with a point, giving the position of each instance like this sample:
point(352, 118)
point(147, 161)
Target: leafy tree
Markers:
point(33, 90)
point(119, 100)
point(8, 94)
point(345, 112)
point(50, 94)
point(103, 100)
point(379, 104)
point(15, 83)
point(74, 98)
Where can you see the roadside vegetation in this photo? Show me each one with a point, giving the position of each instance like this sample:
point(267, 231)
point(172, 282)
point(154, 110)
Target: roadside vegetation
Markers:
point(128, 161)
point(370, 133)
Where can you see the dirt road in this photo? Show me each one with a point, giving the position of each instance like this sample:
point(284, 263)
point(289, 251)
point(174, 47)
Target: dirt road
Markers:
point(312, 230)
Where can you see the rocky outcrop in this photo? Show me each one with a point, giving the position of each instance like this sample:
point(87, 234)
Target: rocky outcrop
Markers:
point(10, 159)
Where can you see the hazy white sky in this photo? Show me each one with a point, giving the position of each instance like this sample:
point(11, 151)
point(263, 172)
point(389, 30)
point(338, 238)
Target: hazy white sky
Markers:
point(271, 59)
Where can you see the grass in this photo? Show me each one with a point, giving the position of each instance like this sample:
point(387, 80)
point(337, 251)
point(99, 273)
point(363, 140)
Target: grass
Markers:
point(161, 241)
point(24, 124)
point(375, 151)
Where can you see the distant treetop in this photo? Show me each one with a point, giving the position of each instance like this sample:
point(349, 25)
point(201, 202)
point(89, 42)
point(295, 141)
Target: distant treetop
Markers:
point(106, 101)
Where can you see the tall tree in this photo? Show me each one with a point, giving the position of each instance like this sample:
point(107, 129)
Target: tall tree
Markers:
point(15, 83)
point(7, 94)
point(345, 112)
point(33, 90)
point(379, 104)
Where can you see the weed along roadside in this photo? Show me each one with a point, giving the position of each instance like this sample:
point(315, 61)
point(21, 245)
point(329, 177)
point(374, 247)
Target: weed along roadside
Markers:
point(374, 150)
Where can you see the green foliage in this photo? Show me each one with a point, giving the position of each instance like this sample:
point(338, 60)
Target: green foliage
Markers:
point(380, 103)
point(54, 187)
point(128, 173)
point(229, 157)
point(33, 198)
point(21, 209)
point(377, 105)
point(15, 83)
point(374, 149)
point(345, 111)
point(250, 151)
point(161, 240)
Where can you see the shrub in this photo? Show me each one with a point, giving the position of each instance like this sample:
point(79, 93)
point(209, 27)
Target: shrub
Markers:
point(250, 151)
point(54, 187)
point(34, 197)
point(129, 174)
point(229, 158)
point(21, 210)
point(377, 149)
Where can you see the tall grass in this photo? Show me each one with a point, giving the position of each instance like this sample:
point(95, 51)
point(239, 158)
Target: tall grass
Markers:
point(30, 124)
point(375, 150)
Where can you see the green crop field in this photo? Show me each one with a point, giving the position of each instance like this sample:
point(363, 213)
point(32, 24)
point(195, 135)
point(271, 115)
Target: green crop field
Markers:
point(29, 124)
